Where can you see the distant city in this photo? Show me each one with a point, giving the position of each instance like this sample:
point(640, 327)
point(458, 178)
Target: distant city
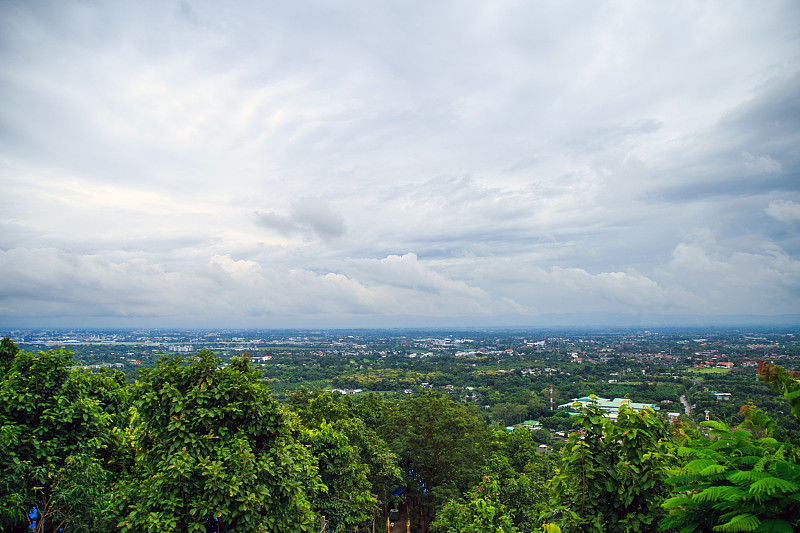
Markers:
point(686, 348)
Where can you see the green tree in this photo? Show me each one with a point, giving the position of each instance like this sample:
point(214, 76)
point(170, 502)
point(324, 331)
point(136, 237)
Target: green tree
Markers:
point(785, 383)
point(520, 449)
point(524, 487)
point(522, 477)
point(612, 475)
point(355, 464)
point(480, 511)
point(8, 350)
point(56, 443)
point(735, 482)
point(741, 479)
point(383, 473)
point(374, 411)
point(213, 450)
point(345, 500)
point(443, 447)
point(315, 406)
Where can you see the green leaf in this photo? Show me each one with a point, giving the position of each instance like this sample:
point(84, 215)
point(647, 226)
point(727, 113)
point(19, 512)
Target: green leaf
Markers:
point(742, 522)
point(746, 477)
point(676, 501)
point(718, 494)
point(770, 485)
point(698, 465)
point(713, 469)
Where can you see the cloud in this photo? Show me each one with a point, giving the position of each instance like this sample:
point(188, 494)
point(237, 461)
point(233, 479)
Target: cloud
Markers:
point(763, 281)
point(242, 291)
point(784, 210)
point(50, 282)
point(254, 160)
point(307, 216)
point(560, 289)
point(318, 216)
point(282, 224)
point(762, 164)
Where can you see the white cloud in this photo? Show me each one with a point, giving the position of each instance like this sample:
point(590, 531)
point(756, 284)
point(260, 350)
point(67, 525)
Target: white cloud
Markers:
point(761, 164)
point(309, 216)
point(764, 281)
point(235, 291)
point(784, 210)
point(251, 159)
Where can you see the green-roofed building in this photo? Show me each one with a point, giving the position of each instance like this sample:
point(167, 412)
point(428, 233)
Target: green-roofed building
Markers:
point(610, 406)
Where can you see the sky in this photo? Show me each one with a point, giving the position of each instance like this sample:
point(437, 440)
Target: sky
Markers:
point(391, 164)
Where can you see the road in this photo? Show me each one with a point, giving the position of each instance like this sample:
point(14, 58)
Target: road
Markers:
point(685, 403)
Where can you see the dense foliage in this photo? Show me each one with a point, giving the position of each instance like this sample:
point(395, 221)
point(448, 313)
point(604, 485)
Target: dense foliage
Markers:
point(735, 481)
point(441, 445)
point(199, 445)
point(612, 475)
point(479, 511)
point(213, 448)
point(56, 444)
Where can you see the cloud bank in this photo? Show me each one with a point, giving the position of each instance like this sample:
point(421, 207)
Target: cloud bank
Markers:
point(197, 163)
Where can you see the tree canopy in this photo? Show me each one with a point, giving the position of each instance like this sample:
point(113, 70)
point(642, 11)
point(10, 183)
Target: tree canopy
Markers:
point(213, 447)
point(198, 445)
point(56, 443)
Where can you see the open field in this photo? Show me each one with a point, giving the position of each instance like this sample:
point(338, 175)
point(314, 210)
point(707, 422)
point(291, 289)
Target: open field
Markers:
point(708, 370)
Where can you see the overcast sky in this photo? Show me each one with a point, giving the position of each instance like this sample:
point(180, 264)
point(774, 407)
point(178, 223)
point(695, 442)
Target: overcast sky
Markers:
point(383, 163)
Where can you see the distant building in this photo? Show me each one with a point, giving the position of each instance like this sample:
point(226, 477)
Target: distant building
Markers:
point(345, 391)
point(610, 406)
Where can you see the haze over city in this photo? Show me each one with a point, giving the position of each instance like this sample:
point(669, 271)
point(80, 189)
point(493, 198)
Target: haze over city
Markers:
point(356, 164)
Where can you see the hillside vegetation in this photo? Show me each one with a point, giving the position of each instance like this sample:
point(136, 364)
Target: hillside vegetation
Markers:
point(195, 445)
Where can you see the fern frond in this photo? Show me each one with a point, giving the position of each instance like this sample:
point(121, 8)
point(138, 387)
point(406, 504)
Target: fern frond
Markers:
point(698, 465)
point(742, 522)
point(725, 444)
point(713, 469)
point(792, 395)
point(761, 463)
point(785, 469)
point(746, 477)
point(684, 451)
point(719, 494)
point(674, 521)
point(770, 485)
point(690, 480)
point(749, 461)
point(676, 501)
point(740, 433)
point(764, 441)
point(715, 424)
